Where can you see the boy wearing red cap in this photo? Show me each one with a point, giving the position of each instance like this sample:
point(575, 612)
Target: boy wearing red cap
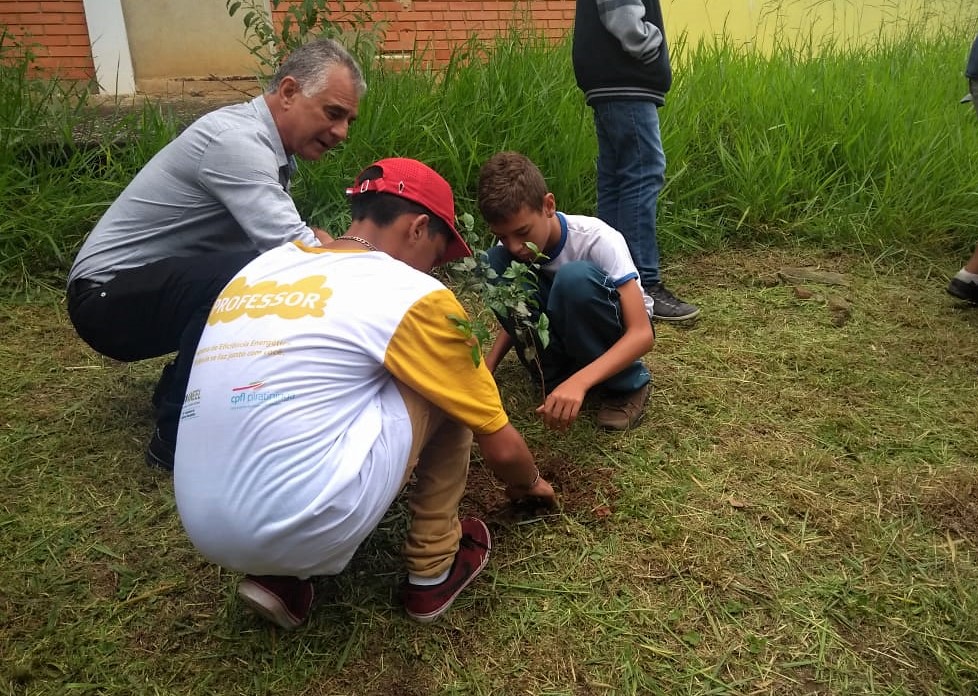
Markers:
point(316, 392)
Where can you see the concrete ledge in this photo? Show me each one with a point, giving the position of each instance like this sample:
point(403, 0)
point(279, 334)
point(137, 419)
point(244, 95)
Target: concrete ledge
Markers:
point(227, 89)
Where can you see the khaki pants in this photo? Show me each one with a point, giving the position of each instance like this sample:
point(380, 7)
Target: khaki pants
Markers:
point(439, 458)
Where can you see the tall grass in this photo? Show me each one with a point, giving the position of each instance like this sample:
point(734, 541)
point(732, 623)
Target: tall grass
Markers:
point(847, 146)
point(842, 145)
point(515, 94)
point(850, 146)
point(62, 162)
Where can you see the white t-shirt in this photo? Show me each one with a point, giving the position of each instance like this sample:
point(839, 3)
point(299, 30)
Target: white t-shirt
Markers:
point(293, 438)
point(584, 238)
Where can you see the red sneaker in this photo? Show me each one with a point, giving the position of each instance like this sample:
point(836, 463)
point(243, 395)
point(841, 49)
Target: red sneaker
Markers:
point(426, 603)
point(281, 599)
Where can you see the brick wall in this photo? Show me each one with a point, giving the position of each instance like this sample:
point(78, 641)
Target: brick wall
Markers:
point(58, 32)
point(435, 26)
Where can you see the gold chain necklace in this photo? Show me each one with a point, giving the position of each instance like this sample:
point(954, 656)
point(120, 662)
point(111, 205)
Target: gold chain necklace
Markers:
point(360, 240)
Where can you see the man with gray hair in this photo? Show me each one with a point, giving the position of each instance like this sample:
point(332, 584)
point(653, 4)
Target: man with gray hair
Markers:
point(203, 207)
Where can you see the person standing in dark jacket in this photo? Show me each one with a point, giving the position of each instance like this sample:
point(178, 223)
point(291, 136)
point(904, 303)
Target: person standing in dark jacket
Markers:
point(621, 63)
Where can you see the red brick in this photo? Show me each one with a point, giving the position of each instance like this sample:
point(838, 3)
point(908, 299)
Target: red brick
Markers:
point(72, 62)
point(482, 16)
point(65, 52)
point(63, 29)
point(62, 6)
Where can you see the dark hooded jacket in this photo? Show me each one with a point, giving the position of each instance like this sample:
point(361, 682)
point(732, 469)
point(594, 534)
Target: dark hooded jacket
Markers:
point(620, 52)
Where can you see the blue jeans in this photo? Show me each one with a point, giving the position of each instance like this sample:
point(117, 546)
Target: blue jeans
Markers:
point(585, 321)
point(631, 172)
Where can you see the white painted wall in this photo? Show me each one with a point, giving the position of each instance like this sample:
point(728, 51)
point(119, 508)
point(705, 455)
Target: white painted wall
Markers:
point(186, 38)
point(110, 46)
point(142, 43)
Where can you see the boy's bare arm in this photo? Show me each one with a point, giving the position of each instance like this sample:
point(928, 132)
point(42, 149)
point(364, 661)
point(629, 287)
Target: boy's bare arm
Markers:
point(564, 402)
point(500, 347)
point(510, 460)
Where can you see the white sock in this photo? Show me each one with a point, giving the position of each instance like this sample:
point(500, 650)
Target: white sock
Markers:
point(418, 580)
point(966, 276)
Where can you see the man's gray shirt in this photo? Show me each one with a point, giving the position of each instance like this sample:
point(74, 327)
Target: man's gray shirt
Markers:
point(221, 186)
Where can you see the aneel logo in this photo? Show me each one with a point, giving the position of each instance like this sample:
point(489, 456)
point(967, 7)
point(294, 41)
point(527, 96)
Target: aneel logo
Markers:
point(303, 298)
point(190, 403)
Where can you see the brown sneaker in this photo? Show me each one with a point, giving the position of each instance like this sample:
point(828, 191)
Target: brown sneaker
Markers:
point(623, 410)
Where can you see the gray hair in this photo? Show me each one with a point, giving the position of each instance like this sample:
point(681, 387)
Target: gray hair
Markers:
point(311, 63)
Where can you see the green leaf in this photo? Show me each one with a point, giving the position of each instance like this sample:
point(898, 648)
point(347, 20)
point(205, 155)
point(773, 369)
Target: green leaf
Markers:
point(543, 330)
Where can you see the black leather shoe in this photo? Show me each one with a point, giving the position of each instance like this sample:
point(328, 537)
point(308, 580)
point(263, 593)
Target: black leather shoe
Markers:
point(159, 454)
point(163, 384)
point(963, 290)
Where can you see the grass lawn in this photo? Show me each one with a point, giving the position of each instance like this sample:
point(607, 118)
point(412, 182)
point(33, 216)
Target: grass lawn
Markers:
point(798, 514)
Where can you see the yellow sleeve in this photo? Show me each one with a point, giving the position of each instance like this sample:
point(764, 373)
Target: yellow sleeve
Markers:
point(430, 355)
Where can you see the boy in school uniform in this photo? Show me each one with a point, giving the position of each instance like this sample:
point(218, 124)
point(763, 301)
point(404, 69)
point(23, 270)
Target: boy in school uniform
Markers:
point(599, 315)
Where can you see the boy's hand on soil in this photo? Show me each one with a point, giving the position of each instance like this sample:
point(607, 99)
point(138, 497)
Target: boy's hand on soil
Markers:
point(541, 492)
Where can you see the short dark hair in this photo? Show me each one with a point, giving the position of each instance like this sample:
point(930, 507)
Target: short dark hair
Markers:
point(508, 181)
point(310, 65)
point(382, 209)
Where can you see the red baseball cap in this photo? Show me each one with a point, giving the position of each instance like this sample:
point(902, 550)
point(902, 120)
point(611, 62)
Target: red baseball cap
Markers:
point(418, 183)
